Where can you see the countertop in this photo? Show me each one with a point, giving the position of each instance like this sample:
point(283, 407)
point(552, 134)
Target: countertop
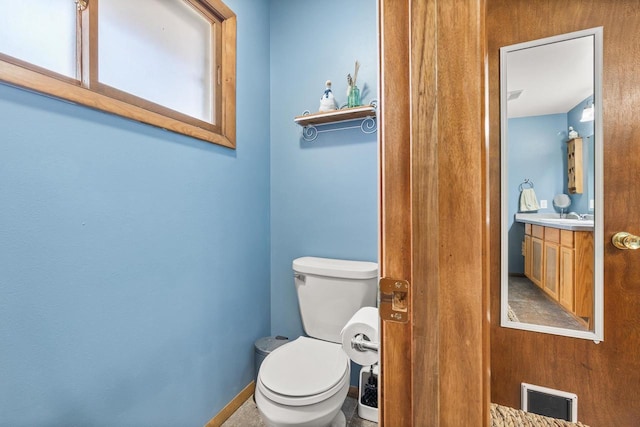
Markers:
point(554, 220)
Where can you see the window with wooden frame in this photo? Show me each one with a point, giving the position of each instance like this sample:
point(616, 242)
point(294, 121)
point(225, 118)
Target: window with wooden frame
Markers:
point(171, 64)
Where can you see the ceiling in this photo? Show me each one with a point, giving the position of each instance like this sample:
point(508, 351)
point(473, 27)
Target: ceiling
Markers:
point(553, 78)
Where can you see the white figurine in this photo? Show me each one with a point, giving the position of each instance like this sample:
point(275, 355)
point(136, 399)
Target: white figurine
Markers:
point(327, 102)
point(572, 133)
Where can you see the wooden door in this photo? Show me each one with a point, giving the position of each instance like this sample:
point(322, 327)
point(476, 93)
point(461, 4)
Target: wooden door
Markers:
point(433, 210)
point(605, 376)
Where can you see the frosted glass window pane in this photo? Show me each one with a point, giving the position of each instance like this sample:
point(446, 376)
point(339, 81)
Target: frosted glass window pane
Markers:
point(41, 32)
point(158, 50)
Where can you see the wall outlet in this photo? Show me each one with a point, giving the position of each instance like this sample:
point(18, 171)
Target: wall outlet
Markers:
point(543, 204)
point(591, 204)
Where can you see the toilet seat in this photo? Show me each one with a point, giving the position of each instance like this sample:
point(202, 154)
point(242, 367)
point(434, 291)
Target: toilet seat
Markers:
point(303, 372)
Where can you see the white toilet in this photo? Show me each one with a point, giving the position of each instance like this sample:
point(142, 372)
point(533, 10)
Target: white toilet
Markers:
point(305, 382)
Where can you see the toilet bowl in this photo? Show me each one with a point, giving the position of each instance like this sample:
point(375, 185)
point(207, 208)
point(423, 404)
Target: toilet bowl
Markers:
point(303, 383)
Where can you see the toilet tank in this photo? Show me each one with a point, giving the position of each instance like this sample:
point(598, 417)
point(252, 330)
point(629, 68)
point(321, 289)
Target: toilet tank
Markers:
point(330, 291)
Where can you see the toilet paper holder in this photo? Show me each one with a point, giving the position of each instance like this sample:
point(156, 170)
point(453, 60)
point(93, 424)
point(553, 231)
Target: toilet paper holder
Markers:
point(361, 342)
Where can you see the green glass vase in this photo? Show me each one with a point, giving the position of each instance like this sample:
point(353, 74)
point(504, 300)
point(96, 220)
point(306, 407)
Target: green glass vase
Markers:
point(353, 100)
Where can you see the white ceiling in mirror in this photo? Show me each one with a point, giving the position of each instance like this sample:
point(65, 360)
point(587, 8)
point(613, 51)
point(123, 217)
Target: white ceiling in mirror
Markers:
point(552, 78)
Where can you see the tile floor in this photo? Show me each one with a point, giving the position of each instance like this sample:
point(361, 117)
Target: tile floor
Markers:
point(532, 305)
point(247, 415)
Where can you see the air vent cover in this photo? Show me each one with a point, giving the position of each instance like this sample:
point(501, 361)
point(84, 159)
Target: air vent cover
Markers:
point(549, 402)
point(514, 94)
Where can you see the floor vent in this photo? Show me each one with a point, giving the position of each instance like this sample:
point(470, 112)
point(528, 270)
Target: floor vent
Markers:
point(549, 402)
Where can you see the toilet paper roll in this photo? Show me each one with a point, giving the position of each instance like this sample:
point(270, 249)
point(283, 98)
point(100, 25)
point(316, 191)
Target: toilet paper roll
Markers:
point(365, 322)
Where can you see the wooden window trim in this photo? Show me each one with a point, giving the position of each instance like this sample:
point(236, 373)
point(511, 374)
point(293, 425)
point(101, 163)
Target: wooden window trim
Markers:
point(88, 91)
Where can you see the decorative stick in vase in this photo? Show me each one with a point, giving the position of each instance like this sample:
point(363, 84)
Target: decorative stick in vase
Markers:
point(355, 74)
point(353, 93)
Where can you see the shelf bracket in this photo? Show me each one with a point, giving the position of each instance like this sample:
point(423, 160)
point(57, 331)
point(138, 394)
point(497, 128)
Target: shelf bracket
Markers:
point(312, 122)
point(368, 125)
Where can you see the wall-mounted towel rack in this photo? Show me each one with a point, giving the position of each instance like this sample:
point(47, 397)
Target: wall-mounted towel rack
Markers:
point(527, 183)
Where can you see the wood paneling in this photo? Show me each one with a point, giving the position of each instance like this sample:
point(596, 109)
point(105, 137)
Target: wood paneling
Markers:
point(451, 221)
point(605, 376)
point(433, 208)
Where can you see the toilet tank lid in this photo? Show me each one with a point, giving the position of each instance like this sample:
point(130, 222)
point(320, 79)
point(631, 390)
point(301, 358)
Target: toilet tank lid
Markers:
point(336, 267)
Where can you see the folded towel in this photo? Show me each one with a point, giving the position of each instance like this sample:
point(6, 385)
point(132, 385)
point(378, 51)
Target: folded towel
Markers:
point(528, 200)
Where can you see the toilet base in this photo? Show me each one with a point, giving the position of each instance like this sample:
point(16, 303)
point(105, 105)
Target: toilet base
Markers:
point(339, 420)
point(323, 414)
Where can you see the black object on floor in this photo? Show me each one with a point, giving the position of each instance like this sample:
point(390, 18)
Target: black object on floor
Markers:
point(370, 394)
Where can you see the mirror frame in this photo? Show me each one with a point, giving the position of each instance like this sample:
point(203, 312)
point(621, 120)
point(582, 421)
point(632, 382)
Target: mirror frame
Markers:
point(597, 334)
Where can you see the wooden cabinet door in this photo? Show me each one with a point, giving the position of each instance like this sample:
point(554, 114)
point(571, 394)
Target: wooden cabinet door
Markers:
point(567, 277)
point(574, 166)
point(537, 251)
point(528, 252)
point(551, 270)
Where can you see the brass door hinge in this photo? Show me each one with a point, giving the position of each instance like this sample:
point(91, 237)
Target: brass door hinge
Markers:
point(394, 300)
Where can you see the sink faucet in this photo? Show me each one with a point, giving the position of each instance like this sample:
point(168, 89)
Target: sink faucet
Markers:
point(579, 216)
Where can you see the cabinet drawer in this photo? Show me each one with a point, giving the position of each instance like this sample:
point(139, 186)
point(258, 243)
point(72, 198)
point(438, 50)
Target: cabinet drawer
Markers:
point(537, 231)
point(552, 235)
point(566, 238)
point(527, 229)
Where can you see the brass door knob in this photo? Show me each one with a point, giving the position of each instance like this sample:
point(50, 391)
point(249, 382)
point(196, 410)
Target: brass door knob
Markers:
point(623, 240)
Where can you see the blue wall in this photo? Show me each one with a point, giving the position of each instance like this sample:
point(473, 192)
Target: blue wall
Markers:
point(128, 252)
point(580, 202)
point(323, 193)
point(127, 255)
point(536, 151)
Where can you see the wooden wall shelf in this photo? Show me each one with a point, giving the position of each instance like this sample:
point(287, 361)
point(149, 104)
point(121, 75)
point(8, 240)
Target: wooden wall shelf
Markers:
point(310, 121)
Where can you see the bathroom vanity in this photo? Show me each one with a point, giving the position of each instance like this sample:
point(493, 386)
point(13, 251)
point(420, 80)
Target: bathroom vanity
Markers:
point(558, 258)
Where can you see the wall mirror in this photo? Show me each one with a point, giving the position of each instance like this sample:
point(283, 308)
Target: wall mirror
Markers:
point(551, 185)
